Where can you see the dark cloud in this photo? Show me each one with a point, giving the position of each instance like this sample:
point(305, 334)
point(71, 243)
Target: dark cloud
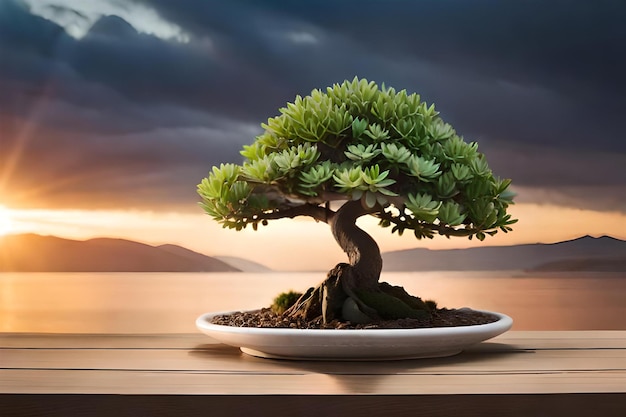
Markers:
point(139, 67)
point(595, 179)
point(561, 43)
point(157, 168)
point(120, 115)
point(532, 72)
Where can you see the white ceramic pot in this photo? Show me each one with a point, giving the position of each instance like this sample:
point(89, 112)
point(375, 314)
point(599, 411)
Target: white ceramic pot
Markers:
point(369, 344)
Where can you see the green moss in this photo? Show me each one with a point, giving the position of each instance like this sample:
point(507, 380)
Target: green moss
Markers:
point(390, 307)
point(411, 300)
point(285, 300)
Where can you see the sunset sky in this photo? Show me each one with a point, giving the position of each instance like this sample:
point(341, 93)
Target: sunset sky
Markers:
point(112, 111)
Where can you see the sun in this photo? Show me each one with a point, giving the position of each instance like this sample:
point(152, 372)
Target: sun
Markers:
point(6, 223)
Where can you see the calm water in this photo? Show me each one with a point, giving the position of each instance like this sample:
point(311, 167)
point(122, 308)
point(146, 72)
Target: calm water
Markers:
point(170, 302)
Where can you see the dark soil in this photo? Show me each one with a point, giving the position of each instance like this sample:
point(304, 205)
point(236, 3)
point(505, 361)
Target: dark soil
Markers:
point(440, 318)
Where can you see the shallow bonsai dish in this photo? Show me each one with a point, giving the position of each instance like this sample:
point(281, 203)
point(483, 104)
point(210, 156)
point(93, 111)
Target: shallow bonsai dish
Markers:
point(359, 345)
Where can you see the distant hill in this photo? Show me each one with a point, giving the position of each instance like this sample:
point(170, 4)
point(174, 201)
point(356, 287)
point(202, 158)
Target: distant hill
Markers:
point(35, 253)
point(583, 254)
point(244, 265)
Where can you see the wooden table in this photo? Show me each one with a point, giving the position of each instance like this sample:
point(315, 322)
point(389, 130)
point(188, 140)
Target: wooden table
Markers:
point(526, 373)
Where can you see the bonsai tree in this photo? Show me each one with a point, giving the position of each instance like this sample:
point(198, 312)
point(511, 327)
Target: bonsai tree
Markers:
point(358, 149)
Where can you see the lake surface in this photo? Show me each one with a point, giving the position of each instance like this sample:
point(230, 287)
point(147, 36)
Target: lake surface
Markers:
point(170, 302)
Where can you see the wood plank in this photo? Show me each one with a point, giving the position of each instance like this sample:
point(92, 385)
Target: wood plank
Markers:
point(516, 363)
point(605, 339)
point(199, 383)
point(224, 359)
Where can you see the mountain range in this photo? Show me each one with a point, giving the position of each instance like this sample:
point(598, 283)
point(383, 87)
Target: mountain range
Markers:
point(583, 254)
point(35, 253)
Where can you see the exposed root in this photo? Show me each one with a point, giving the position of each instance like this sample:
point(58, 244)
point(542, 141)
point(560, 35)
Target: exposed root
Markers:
point(340, 298)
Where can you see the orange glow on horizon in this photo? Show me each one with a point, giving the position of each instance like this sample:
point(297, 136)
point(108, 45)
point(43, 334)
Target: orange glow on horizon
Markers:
point(6, 221)
point(300, 244)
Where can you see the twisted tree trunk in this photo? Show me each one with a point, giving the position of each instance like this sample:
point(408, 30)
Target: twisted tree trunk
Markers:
point(362, 250)
point(328, 299)
point(351, 292)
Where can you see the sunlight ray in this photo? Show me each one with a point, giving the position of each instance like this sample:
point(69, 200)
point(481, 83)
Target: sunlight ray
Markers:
point(6, 221)
point(26, 128)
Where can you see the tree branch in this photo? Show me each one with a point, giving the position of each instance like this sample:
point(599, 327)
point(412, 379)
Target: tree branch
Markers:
point(319, 213)
point(441, 229)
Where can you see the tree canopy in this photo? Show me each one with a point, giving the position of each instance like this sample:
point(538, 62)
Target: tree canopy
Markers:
point(359, 141)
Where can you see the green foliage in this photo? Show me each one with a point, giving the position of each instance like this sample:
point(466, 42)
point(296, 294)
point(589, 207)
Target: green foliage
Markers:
point(424, 170)
point(284, 300)
point(359, 141)
point(367, 183)
point(314, 177)
point(423, 207)
point(361, 153)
